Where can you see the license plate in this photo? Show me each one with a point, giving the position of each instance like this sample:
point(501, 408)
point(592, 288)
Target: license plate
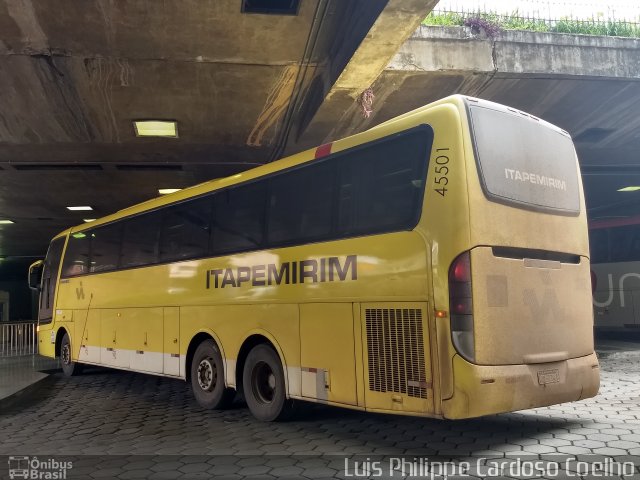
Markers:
point(548, 376)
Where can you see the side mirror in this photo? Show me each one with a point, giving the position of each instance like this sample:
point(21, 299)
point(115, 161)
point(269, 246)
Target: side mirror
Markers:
point(35, 275)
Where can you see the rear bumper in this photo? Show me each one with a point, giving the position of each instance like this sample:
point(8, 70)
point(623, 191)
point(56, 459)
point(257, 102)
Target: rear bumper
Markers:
point(485, 390)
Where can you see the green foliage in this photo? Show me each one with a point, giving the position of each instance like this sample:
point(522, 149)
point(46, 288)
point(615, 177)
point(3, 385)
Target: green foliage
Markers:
point(515, 22)
point(447, 19)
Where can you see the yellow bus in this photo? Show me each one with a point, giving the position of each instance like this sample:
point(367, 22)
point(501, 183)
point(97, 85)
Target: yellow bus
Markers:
point(436, 265)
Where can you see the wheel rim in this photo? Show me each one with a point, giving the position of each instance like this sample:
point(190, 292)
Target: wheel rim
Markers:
point(207, 374)
point(263, 382)
point(66, 354)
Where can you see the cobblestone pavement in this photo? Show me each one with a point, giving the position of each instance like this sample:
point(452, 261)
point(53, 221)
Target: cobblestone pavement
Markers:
point(136, 426)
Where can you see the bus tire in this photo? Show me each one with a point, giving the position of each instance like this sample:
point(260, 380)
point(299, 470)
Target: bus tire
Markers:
point(69, 367)
point(207, 377)
point(264, 386)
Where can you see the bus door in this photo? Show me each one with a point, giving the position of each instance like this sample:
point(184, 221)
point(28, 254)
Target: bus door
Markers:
point(49, 281)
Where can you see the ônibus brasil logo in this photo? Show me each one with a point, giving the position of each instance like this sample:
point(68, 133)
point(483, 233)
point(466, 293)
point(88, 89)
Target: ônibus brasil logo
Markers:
point(34, 468)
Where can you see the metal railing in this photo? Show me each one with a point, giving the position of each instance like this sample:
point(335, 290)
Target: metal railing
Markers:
point(520, 20)
point(516, 21)
point(550, 10)
point(17, 339)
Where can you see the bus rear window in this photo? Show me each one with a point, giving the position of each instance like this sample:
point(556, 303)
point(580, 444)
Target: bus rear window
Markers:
point(525, 162)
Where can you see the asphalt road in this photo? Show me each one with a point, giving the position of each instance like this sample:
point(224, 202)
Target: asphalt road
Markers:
point(113, 424)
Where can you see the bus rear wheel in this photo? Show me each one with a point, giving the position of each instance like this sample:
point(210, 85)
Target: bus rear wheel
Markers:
point(207, 377)
point(264, 386)
point(69, 367)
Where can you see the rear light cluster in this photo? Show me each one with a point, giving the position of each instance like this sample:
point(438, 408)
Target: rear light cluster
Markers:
point(461, 306)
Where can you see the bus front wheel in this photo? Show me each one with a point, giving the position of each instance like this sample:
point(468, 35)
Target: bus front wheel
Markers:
point(69, 367)
point(264, 386)
point(207, 377)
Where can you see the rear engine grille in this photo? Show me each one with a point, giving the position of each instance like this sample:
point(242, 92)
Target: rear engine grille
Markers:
point(395, 348)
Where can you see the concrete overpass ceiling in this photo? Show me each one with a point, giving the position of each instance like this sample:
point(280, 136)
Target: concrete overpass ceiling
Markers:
point(74, 75)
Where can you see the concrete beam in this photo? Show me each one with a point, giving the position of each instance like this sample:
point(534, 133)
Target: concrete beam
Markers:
point(395, 24)
point(518, 52)
point(576, 81)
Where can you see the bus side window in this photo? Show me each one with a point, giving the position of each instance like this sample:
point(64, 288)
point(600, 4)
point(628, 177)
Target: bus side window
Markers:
point(185, 230)
point(140, 240)
point(76, 257)
point(105, 247)
point(621, 243)
point(380, 186)
point(238, 218)
point(301, 205)
point(634, 247)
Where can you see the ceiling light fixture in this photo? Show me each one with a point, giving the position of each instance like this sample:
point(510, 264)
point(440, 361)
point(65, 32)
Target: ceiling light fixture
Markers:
point(79, 208)
point(5, 222)
point(156, 128)
point(167, 191)
point(629, 189)
point(87, 220)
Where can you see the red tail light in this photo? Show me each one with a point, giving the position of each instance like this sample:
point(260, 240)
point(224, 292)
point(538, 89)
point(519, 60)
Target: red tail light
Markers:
point(461, 269)
point(461, 306)
point(460, 297)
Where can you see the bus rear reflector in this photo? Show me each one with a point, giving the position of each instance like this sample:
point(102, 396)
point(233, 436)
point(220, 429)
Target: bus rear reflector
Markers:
point(461, 306)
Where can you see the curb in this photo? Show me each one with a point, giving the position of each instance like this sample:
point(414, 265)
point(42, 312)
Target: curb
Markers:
point(22, 397)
